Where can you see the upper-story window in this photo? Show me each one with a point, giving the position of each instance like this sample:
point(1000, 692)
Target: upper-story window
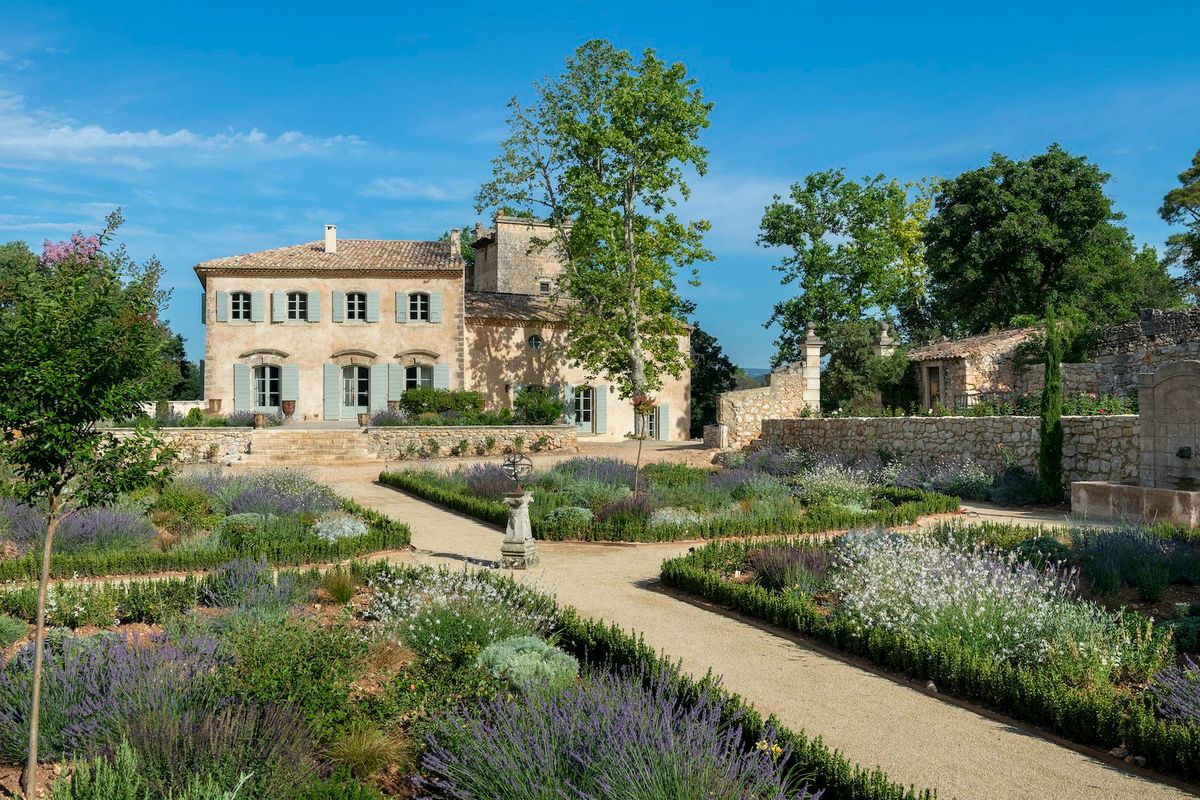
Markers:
point(418, 306)
point(356, 306)
point(544, 287)
point(239, 305)
point(297, 305)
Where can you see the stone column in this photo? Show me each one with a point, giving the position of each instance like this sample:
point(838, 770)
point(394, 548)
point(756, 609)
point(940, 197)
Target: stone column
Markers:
point(519, 550)
point(885, 345)
point(812, 368)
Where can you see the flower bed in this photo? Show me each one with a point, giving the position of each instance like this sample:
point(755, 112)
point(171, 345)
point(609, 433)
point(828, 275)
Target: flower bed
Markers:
point(384, 681)
point(593, 499)
point(989, 614)
point(198, 522)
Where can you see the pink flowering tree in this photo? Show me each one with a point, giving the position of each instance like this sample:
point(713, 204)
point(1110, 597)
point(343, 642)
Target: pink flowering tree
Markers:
point(82, 343)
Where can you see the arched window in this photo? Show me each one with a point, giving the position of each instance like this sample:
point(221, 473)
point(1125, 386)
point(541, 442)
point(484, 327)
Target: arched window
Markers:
point(418, 306)
point(418, 376)
point(239, 305)
point(297, 305)
point(535, 342)
point(266, 386)
point(356, 306)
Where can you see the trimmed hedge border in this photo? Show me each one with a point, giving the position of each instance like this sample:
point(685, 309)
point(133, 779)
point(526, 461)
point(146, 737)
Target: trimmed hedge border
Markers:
point(1102, 717)
point(909, 504)
point(384, 534)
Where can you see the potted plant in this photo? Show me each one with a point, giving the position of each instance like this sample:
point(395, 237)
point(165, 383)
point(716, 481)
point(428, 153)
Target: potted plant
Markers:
point(289, 408)
point(260, 419)
point(363, 419)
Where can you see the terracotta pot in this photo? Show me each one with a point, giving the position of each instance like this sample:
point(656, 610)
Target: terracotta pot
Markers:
point(289, 408)
point(363, 419)
point(214, 405)
point(260, 420)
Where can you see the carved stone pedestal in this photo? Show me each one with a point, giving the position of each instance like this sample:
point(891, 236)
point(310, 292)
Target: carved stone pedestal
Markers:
point(519, 550)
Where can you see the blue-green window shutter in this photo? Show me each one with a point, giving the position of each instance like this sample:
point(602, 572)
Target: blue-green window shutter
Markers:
point(569, 403)
point(395, 381)
point(379, 386)
point(289, 388)
point(435, 306)
point(256, 306)
point(278, 306)
point(333, 392)
point(203, 309)
point(339, 307)
point(373, 307)
point(241, 388)
point(401, 306)
point(222, 306)
point(601, 411)
point(441, 376)
point(314, 306)
point(663, 424)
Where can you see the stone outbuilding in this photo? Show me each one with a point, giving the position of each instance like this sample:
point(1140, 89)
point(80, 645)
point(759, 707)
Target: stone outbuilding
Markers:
point(961, 372)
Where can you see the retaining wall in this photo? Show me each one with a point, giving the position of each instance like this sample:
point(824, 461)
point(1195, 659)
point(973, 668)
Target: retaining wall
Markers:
point(1095, 448)
point(198, 445)
point(391, 444)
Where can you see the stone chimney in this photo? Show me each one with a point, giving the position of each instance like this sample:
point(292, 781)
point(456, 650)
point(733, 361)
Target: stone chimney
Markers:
point(331, 238)
point(478, 231)
point(455, 243)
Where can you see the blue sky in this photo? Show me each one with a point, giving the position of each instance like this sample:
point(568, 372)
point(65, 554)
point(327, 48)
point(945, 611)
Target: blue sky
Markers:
point(225, 128)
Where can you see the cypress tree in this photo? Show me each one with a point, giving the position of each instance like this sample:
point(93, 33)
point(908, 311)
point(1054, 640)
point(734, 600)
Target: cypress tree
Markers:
point(1050, 441)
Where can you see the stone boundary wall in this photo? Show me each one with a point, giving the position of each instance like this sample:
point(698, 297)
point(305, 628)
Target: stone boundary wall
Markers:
point(741, 412)
point(198, 445)
point(1095, 448)
point(393, 443)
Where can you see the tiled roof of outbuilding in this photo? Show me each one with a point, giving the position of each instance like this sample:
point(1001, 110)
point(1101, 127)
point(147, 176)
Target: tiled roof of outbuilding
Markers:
point(516, 307)
point(353, 255)
point(971, 345)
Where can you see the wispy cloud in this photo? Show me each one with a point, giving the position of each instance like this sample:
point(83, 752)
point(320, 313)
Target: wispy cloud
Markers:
point(32, 136)
point(400, 188)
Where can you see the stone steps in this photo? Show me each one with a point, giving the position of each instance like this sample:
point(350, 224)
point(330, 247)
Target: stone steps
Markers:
point(339, 446)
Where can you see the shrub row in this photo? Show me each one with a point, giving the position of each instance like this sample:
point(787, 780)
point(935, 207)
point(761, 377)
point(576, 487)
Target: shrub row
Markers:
point(1100, 715)
point(384, 534)
point(607, 646)
point(907, 506)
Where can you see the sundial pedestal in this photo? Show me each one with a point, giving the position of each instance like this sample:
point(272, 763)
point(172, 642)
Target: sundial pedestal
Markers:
point(519, 550)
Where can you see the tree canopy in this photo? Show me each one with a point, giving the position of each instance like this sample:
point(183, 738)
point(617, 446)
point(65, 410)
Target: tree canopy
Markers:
point(856, 248)
point(1009, 238)
point(1181, 206)
point(712, 373)
point(603, 153)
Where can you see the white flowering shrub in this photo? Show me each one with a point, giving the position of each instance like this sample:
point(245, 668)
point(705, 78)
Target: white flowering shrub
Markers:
point(675, 516)
point(992, 603)
point(338, 526)
point(833, 482)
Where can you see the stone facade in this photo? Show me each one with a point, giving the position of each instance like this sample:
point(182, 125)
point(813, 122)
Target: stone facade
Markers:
point(1170, 446)
point(509, 259)
point(202, 445)
point(1096, 448)
point(953, 372)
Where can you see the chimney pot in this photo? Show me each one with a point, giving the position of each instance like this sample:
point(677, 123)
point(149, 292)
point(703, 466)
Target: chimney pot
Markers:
point(478, 230)
point(331, 238)
point(455, 243)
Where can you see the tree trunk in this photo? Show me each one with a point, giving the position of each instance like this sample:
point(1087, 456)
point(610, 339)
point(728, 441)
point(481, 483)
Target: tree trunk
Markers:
point(637, 359)
point(39, 643)
point(637, 465)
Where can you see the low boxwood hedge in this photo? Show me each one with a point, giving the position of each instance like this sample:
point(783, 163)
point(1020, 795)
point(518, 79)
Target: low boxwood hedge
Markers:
point(1102, 716)
point(905, 506)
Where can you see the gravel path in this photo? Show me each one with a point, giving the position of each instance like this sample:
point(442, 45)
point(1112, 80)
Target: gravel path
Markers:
point(915, 737)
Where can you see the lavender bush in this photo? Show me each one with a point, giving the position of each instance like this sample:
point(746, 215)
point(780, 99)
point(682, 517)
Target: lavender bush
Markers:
point(91, 528)
point(1133, 556)
point(92, 687)
point(274, 491)
point(488, 481)
point(20, 524)
point(1176, 691)
point(611, 471)
point(634, 509)
point(610, 737)
point(833, 482)
point(790, 567)
point(248, 582)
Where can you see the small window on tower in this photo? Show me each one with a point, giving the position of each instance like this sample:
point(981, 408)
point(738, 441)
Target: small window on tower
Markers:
point(544, 287)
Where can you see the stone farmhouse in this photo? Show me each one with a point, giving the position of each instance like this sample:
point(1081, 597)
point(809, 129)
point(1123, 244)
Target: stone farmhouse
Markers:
point(337, 328)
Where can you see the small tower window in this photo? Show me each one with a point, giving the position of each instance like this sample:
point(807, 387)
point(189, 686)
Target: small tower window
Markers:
point(535, 342)
point(544, 287)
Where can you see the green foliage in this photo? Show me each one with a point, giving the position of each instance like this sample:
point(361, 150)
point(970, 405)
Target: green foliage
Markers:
point(674, 475)
point(1042, 551)
point(365, 752)
point(339, 788)
point(528, 663)
point(537, 405)
point(423, 400)
point(183, 507)
point(855, 247)
point(1181, 206)
point(339, 584)
point(1009, 238)
point(1050, 441)
point(854, 375)
point(117, 778)
point(12, 629)
point(454, 632)
point(712, 374)
point(604, 151)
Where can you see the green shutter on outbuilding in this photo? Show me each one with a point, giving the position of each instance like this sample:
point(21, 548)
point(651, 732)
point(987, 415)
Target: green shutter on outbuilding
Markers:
point(314, 306)
point(601, 411)
point(378, 396)
point(289, 388)
point(662, 425)
point(441, 376)
point(339, 307)
point(435, 306)
point(333, 392)
point(256, 306)
point(241, 388)
point(401, 306)
point(278, 306)
point(372, 306)
point(222, 306)
point(395, 381)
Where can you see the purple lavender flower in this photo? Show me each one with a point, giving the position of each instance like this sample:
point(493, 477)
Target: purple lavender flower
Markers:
point(247, 582)
point(1176, 691)
point(23, 525)
point(487, 481)
point(95, 528)
point(612, 471)
point(634, 509)
point(781, 566)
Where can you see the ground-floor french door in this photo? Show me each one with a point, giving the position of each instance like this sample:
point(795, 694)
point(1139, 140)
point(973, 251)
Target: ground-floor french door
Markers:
point(356, 390)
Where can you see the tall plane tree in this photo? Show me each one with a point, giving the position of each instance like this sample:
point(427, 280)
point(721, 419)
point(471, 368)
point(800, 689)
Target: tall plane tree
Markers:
point(1181, 206)
point(82, 343)
point(603, 154)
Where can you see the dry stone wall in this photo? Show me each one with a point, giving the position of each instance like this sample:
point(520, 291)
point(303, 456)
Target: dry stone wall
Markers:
point(395, 443)
point(743, 412)
point(200, 445)
point(1095, 448)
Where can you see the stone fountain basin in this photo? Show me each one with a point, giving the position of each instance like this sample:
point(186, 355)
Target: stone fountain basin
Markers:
point(1102, 501)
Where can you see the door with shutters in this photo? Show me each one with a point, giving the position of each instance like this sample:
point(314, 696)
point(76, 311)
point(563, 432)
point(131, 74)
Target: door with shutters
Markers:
point(356, 390)
point(585, 409)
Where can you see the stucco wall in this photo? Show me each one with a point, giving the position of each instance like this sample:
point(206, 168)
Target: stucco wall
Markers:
point(1096, 448)
point(501, 358)
point(310, 345)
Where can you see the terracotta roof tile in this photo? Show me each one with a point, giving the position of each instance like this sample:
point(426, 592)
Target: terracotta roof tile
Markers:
point(962, 348)
point(517, 307)
point(353, 255)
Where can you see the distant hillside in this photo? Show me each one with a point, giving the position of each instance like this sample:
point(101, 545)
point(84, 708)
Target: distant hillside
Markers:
point(756, 372)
